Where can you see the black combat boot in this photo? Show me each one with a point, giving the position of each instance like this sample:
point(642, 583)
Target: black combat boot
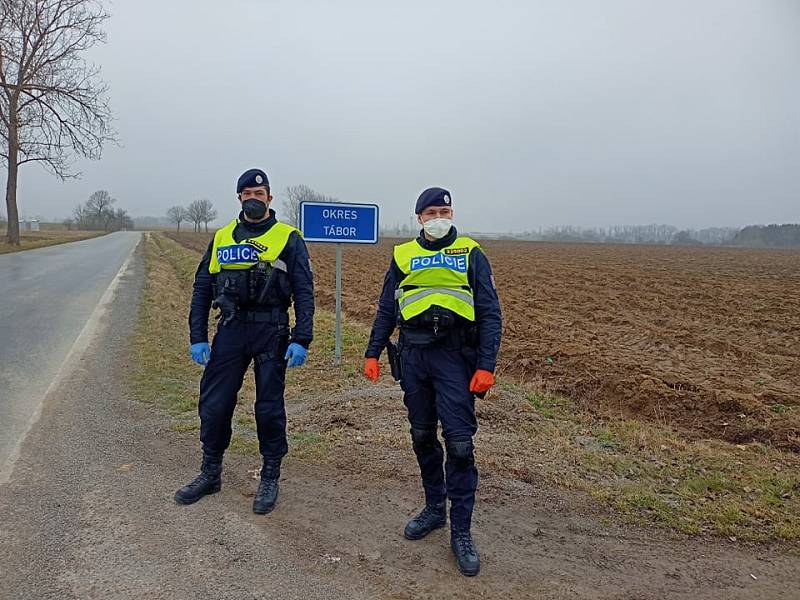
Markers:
point(267, 494)
point(209, 481)
point(432, 517)
point(469, 563)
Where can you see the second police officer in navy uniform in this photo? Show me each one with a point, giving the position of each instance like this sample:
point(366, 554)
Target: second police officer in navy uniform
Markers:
point(253, 270)
point(439, 289)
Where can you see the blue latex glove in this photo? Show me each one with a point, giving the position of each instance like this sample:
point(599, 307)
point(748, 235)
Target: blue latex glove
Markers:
point(296, 355)
point(200, 353)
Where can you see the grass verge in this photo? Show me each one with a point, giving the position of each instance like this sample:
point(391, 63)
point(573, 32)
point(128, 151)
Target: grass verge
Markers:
point(39, 239)
point(642, 472)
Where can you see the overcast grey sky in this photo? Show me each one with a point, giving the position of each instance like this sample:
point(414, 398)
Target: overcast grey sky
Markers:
point(533, 113)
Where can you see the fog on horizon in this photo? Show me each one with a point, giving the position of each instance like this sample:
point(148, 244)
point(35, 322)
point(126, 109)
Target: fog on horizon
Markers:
point(533, 114)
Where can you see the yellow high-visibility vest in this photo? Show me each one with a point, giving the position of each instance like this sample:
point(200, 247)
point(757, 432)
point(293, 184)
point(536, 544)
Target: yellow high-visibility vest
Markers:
point(227, 253)
point(435, 278)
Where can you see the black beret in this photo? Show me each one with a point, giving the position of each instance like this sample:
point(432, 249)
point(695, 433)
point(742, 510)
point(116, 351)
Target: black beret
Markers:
point(432, 197)
point(251, 178)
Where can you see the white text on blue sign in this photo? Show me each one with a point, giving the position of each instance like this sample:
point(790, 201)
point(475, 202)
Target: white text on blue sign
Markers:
point(341, 214)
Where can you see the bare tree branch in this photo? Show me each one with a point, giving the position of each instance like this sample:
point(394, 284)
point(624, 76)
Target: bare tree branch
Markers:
point(53, 105)
point(296, 194)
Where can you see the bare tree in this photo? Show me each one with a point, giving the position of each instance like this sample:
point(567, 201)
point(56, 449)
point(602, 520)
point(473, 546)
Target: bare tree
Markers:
point(80, 216)
point(98, 212)
point(201, 211)
point(99, 209)
point(209, 212)
point(119, 220)
point(195, 213)
point(210, 217)
point(68, 223)
point(177, 215)
point(296, 194)
point(52, 103)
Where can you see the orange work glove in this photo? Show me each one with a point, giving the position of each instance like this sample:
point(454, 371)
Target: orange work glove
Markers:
point(481, 381)
point(372, 370)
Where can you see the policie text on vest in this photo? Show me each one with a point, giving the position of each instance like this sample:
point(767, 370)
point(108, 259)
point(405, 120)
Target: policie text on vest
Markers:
point(455, 263)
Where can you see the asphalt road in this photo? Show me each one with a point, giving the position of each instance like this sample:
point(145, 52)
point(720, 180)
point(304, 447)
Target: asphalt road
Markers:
point(48, 297)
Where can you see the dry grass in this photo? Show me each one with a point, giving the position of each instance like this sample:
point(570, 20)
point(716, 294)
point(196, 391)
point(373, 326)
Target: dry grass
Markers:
point(646, 472)
point(640, 471)
point(39, 239)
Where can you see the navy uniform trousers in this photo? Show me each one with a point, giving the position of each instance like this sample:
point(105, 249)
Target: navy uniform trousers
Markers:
point(436, 386)
point(235, 346)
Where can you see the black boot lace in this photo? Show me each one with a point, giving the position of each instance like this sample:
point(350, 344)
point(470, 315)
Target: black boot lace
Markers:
point(464, 541)
point(266, 486)
point(429, 512)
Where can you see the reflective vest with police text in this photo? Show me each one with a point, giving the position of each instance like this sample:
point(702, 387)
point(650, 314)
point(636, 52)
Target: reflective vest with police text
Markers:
point(435, 278)
point(227, 253)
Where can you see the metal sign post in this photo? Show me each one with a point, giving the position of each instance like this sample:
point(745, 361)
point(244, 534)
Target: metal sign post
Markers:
point(339, 223)
point(337, 352)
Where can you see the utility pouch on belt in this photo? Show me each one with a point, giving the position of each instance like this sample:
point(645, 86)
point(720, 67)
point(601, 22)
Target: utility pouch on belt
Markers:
point(226, 301)
point(393, 354)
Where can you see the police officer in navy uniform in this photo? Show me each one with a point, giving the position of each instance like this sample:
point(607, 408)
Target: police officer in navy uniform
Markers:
point(253, 270)
point(439, 289)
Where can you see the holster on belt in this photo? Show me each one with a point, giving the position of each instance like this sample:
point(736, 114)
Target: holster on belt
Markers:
point(393, 353)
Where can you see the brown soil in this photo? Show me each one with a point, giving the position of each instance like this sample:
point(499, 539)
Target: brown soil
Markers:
point(703, 339)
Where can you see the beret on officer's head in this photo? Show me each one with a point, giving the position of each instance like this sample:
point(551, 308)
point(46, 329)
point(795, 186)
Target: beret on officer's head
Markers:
point(433, 197)
point(251, 178)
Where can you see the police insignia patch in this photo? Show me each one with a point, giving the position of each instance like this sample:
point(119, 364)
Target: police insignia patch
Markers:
point(447, 199)
point(259, 179)
point(261, 247)
point(452, 251)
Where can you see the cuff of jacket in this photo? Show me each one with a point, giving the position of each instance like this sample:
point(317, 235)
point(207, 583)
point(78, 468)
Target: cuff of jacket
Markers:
point(304, 342)
point(486, 365)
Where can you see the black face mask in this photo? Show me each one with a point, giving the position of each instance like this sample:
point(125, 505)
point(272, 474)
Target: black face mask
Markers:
point(254, 209)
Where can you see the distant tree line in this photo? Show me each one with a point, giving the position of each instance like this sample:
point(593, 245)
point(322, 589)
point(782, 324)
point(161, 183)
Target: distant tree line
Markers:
point(398, 230)
point(99, 213)
point(773, 236)
point(197, 212)
point(753, 235)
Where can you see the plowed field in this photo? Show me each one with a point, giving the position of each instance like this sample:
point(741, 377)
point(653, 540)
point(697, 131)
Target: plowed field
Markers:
point(704, 339)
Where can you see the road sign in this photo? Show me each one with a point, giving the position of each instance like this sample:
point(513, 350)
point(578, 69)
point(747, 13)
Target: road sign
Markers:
point(339, 223)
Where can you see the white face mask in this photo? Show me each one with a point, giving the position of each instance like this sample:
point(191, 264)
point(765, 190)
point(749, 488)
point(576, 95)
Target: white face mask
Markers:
point(437, 228)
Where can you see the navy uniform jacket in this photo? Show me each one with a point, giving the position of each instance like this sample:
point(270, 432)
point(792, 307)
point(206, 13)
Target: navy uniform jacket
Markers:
point(298, 267)
point(488, 317)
